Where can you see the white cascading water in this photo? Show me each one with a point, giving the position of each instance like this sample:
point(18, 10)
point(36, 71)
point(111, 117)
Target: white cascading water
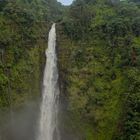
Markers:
point(48, 126)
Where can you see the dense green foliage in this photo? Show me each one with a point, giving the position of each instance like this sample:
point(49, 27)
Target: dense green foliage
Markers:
point(20, 47)
point(100, 68)
point(24, 25)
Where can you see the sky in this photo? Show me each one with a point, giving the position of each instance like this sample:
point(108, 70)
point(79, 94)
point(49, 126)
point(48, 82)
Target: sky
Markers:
point(65, 2)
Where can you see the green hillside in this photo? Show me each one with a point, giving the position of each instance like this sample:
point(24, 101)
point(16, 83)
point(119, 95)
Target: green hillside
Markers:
point(99, 57)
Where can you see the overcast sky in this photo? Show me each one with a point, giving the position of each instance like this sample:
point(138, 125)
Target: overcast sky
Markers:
point(65, 2)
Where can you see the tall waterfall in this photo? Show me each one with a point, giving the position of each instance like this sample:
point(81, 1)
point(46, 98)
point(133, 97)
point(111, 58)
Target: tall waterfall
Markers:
point(48, 127)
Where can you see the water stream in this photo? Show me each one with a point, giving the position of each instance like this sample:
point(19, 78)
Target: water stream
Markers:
point(48, 122)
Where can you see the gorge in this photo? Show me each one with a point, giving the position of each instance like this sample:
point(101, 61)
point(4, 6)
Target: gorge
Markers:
point(84, 85)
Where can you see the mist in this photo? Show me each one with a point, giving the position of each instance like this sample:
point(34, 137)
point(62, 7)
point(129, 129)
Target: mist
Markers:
point(20, 124)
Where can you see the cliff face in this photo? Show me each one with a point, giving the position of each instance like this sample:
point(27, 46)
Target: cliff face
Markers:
point(89, 106)
point(92, 100)
point(68, 126)
point(99, 54)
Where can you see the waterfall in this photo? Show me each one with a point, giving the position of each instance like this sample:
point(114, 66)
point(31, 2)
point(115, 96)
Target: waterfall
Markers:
point(48, 127)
